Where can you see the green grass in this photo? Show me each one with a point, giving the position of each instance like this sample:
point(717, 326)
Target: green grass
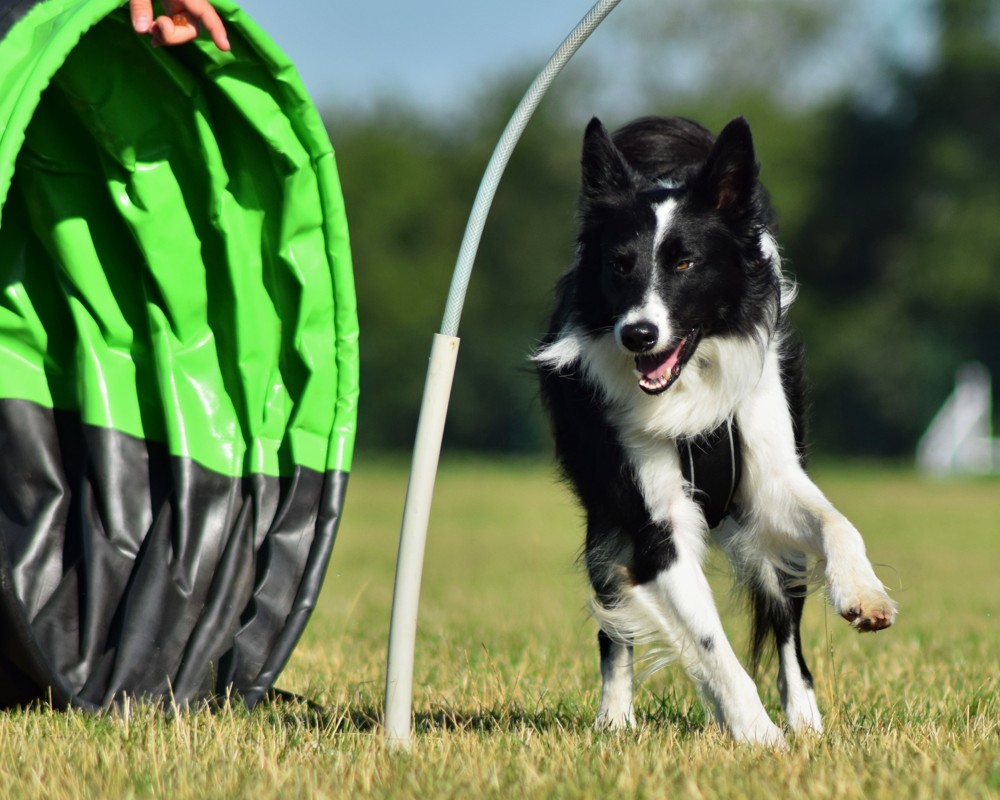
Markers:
point(506, 676)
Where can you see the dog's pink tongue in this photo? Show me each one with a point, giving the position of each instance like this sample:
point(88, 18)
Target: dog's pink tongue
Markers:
point(658, 366)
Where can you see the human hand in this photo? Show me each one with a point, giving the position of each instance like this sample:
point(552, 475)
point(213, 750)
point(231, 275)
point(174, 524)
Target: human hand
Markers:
point(181, 23)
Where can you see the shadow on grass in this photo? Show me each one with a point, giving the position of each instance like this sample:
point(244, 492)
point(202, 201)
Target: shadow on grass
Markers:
point(297, 714)
point(366, 717)
point(563, 715)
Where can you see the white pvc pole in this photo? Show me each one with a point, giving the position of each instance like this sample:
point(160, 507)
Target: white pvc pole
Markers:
point(413, 538)
point(437, 390)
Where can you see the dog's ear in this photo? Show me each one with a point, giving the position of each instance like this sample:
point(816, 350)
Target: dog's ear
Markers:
point(730, 173)
point(605, 170)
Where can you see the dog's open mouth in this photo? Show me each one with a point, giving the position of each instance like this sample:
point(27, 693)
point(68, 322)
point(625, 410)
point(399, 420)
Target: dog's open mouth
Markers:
point(658, 371)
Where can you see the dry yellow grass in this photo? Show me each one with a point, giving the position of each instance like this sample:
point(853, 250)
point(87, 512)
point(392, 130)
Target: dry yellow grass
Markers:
point(507, 670)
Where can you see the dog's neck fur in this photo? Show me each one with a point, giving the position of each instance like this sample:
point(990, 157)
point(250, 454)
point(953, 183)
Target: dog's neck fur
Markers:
point(704, 396)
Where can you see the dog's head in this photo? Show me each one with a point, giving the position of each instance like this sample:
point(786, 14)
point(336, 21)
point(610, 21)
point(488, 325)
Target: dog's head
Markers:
point(674, 244)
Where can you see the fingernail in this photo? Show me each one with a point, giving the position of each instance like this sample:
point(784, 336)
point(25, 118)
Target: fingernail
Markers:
point(141, 24)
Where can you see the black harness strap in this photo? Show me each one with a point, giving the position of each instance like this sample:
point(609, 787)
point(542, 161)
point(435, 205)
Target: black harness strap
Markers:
point(713, 464)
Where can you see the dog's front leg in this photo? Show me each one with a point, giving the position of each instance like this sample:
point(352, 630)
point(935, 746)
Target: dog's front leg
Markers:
point(683, 592)
point(852, 585)
point(669, 595)
point(789, 512)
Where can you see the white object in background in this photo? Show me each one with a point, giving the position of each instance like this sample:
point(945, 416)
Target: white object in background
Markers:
point(959, 439)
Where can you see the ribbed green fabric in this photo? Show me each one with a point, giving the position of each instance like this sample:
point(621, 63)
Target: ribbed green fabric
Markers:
point(174, 254)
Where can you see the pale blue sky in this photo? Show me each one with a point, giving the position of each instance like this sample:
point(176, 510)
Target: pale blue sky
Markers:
point(436, 53)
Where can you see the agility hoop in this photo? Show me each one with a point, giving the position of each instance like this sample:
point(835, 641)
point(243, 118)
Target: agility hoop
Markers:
point(437, 391)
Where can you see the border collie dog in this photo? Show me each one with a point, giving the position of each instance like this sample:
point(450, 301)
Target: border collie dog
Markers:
point(676, 396)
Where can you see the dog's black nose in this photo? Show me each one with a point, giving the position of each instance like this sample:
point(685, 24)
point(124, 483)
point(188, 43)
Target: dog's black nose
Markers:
point(640, 336)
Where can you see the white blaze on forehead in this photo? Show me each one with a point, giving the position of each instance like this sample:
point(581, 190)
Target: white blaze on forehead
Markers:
point(664, 211)
point(653, 309)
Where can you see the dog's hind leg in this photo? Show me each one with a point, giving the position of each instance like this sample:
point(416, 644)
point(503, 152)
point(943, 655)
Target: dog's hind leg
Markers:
point(778, 596)
point(775, 587)
point(795, 681)
point(615, 710)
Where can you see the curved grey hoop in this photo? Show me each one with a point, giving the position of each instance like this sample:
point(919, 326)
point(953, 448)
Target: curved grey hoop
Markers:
point(437, 391)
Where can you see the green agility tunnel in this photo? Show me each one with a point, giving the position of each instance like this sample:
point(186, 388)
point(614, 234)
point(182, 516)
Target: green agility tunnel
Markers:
point(178, 359)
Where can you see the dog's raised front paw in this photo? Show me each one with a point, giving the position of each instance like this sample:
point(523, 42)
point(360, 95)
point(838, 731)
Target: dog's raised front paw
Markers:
point(869, 610)
point(859, 597)
point(871, 615)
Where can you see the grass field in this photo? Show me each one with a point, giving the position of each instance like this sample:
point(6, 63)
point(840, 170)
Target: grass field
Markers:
point(506, 678)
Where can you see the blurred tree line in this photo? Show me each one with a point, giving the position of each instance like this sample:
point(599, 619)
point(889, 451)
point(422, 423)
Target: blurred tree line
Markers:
point(889, 217)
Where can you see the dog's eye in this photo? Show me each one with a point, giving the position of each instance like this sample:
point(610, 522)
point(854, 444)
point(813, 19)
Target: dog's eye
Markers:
point(683, 264)
point(621, 265)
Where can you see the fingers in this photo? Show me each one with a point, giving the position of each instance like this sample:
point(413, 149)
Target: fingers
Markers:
point(174, 30)
point(212, 22)
point(182, 23)
point(142, 15)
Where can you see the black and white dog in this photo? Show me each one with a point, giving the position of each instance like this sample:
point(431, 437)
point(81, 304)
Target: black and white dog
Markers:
point(676, 397)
